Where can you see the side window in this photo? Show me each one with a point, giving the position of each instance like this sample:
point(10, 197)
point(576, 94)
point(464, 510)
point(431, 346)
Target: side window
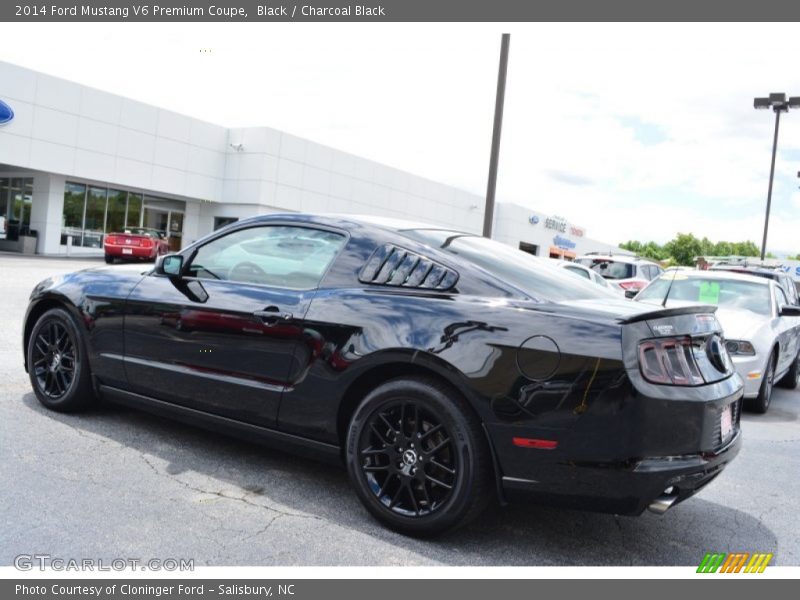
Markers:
point(578, 271)
point(647, 272)
point(780, 297)
point(275, 255)
point(791, 291)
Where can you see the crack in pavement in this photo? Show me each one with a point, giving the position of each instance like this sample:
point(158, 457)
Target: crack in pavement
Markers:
point(221, 494)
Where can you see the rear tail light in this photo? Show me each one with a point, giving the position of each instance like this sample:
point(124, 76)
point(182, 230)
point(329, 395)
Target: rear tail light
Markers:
point(669, 361)
point(632, 285)
point(146, 243)
point(110, 239)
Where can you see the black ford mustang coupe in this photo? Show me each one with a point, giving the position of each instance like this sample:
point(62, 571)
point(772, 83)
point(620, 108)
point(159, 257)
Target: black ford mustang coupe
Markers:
point(444, 369)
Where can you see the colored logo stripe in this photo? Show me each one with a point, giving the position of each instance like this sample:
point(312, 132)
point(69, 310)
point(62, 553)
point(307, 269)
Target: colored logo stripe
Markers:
point(733, 563)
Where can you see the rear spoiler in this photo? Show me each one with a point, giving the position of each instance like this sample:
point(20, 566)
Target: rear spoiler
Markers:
point(669, 312)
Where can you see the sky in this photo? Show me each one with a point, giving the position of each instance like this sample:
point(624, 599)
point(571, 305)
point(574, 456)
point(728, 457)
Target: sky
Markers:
point(633, 131)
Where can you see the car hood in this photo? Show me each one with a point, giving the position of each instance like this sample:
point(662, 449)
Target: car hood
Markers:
point(741, 324)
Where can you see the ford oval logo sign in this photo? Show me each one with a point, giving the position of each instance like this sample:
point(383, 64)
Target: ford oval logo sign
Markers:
point(6, 113)
point(533, 219)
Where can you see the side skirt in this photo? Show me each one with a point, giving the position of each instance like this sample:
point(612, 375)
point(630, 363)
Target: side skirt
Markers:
point(254, 433)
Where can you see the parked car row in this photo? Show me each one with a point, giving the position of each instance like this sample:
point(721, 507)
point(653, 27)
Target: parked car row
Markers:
point(760, 321)
point(758, 308)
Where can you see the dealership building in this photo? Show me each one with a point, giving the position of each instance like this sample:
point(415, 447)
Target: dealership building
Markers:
point(76, 163)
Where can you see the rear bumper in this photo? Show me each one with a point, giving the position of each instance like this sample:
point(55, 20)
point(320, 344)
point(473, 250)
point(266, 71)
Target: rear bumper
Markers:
point(625, 449)
point(625, 489)
point(136, 252)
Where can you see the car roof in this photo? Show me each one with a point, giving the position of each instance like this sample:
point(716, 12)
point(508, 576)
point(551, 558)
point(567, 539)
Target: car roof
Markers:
point(716, 275)
point(626, 258)
point(764, 271)
point(339, 219)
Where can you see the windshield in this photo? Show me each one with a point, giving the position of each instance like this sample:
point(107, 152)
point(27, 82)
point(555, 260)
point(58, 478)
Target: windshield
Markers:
point(520, 269)
point(608, 268)
point(741, 295)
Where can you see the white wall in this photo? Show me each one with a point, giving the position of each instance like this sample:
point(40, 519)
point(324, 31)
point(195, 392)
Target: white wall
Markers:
point(68, 129)
point(73, 130)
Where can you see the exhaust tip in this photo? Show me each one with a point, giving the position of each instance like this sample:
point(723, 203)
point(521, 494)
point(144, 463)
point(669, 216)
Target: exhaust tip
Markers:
point(664, 502)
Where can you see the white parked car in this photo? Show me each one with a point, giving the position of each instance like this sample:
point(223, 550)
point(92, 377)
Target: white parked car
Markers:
point(586, 273)
point(761, 327)
point(629, 273)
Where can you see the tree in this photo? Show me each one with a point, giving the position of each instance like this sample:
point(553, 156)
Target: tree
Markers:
point(723, 249)
point(684, 248)
point(747, 248)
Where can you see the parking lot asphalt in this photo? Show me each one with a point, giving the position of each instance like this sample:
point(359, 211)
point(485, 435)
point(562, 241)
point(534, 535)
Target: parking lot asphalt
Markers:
point(117, 483)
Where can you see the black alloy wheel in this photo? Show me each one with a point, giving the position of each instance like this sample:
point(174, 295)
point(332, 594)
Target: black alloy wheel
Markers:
point(409, 459)
point(54, 359)
point(418, 457)
point(57, 365)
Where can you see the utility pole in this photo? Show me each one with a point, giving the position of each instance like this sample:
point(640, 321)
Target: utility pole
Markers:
point(488, 214)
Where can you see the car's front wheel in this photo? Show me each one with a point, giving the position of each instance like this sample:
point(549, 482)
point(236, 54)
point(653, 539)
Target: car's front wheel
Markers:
point(57, 364)
point(760, 403)
point(418, 458)
point(792, 377)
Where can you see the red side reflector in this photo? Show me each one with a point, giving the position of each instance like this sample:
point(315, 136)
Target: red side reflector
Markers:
point(533, 443)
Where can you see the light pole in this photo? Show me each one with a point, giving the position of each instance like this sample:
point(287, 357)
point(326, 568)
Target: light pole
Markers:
point(488, 213)
point(778, 103)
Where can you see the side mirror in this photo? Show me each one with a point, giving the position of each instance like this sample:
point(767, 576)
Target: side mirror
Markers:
point(790, 311)
point(170, 265)
point(631, 293)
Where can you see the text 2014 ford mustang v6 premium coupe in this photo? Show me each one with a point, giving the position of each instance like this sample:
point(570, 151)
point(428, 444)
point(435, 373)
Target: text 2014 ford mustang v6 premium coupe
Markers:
point(443, 368)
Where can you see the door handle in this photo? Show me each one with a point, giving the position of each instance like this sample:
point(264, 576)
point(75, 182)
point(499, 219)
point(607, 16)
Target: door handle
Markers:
point(272, 314)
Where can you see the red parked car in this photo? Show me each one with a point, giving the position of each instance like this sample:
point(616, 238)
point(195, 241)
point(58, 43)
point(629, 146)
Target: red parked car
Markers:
point(136, 243)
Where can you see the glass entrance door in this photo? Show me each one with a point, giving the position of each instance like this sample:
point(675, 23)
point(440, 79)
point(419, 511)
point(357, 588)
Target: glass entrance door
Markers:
point(156, 219)
point(175, 230)
point(169, 223)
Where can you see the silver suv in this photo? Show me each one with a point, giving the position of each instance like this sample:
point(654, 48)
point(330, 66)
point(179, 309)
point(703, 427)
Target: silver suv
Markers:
point(631, 273)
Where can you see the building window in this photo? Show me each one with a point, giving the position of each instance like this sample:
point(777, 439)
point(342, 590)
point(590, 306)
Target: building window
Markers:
point(115, 213)
point(15, 207)
point(529, 248)
point(90, 212)
point(95, 218)
point(220, 222)
point(134, 218)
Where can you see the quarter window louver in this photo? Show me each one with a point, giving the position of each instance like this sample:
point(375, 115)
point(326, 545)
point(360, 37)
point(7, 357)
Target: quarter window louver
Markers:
point(394, 266)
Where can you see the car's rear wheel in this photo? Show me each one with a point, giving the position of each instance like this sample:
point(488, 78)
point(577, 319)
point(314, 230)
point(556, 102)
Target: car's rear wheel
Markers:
point(109, 259)
point(57, 364)
point(417, 457)
point(792, 378)
point(760, 403)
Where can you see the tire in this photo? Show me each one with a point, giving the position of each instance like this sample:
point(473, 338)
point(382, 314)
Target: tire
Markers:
point(760, 403)
point(109, 259)
point(437, 485)
point(57, 363)
point(791, 380)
